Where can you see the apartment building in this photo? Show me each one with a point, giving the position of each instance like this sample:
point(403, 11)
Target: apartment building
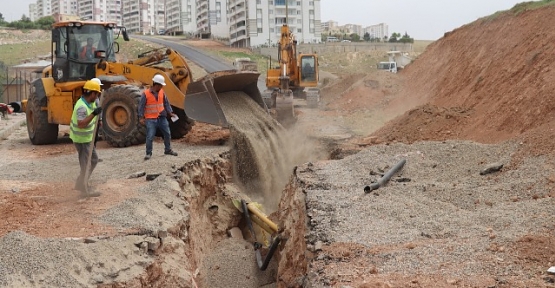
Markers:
point(258, 22)
point(211, 18)
point(67, 7)
point(143, 16)
point(349, 29)
point(99, 10)
point(43, 8)
point(329, 26)
point(181, 16)
point(33, 11)
point(379, 31)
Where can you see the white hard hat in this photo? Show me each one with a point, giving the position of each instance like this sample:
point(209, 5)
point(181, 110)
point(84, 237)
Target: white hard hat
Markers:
point(97, 81)
point(159, 79)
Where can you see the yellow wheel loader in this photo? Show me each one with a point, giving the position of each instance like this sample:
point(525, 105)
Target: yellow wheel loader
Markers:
point(85, 50)
point(295, 77)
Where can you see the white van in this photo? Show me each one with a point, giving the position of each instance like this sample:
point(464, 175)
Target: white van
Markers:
point(332, 39)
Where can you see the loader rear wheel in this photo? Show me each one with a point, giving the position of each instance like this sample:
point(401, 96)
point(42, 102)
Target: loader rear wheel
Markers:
point(182, 126)
point(120, 120)
point(40, 131)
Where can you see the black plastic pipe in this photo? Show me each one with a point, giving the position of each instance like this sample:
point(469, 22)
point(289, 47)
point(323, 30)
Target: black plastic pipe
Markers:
point(385, 178)
point(262, 264)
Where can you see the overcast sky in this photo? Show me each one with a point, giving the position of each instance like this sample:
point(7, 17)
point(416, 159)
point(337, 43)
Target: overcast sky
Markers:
point(421, 19)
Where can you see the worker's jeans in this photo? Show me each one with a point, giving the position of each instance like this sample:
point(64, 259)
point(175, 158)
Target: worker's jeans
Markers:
point(151, 126)
point(83, 150)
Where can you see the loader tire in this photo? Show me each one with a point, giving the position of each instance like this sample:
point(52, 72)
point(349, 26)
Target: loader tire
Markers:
point(182, 126)
point(120, 120)
point(40, 131)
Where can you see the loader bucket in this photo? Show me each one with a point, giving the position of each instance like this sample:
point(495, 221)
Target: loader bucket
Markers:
point(202, 102)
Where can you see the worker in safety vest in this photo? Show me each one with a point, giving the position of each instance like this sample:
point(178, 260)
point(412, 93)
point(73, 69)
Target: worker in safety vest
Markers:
point(87, 52)
point(81, 132)
point(154, 108)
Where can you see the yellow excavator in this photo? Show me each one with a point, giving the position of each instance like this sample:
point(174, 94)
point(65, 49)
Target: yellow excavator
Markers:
point(295, 77)
point(85, 50)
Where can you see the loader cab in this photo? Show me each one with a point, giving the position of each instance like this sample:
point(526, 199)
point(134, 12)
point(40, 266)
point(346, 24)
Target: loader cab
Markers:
point(309, 70)
point(77, 48)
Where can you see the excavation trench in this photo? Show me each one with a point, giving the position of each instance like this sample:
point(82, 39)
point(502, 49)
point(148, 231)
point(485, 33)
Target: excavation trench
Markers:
point(259, 165)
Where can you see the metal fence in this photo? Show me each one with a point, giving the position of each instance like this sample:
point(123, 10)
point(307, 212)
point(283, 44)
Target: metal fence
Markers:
point(15, 85)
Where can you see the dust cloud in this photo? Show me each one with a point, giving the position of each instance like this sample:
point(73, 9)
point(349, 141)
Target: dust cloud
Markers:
point(263, 152)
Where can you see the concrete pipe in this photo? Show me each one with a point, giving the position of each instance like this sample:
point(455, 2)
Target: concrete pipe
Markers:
point(16, 106)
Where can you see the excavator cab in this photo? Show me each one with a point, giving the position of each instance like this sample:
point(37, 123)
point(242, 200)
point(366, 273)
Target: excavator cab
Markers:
point(309, 71)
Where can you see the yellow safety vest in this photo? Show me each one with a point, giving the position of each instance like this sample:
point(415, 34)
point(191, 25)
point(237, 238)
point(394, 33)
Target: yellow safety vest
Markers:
point(82, 135)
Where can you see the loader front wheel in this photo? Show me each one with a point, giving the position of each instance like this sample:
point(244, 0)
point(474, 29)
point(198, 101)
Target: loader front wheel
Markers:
point(120, 120)
point(40, 131)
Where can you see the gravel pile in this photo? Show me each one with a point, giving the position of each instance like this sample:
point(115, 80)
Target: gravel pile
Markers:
point(438, 205)
point(34, 262)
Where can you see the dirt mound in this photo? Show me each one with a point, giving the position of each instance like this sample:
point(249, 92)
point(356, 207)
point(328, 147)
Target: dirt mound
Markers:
point(488, 81)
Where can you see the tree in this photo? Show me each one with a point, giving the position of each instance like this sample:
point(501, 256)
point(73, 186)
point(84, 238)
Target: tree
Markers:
point(355, 37)
point(394, 37)
point(366, 37)
point(45, 23)
point(406, 39)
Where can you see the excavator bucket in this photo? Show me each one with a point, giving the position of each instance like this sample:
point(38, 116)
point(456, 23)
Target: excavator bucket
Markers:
point(202, 98)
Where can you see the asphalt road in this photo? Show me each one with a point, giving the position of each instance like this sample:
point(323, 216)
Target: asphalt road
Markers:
point(207, 62)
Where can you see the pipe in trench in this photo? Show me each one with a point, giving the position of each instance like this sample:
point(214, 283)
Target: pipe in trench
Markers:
point(385, 178)
point(262, 263)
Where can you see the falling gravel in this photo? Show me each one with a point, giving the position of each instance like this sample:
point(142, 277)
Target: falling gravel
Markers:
point(263, 152)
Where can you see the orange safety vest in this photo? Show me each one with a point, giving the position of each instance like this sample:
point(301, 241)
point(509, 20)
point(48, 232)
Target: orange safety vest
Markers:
point(154, 107)
point(83, 53)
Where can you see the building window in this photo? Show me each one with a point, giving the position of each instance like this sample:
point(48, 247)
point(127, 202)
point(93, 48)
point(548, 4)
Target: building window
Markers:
point(299, 21)
point(311, 3)
point(259, 30)
point(299, 30)
point(271, 30)
point(299, 12)
point(271, 2)
point(270, 11)
point(298, 3)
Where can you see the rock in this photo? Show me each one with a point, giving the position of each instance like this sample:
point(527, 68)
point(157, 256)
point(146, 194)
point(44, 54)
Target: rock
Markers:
point(235, 232)
point(318, 246)
point(136, 175)
point(150, 177)
point(491, 168)
point(97, 278)
point(153, 243)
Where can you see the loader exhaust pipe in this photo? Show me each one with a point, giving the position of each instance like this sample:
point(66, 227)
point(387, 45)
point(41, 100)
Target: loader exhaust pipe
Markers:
point(385, 178)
